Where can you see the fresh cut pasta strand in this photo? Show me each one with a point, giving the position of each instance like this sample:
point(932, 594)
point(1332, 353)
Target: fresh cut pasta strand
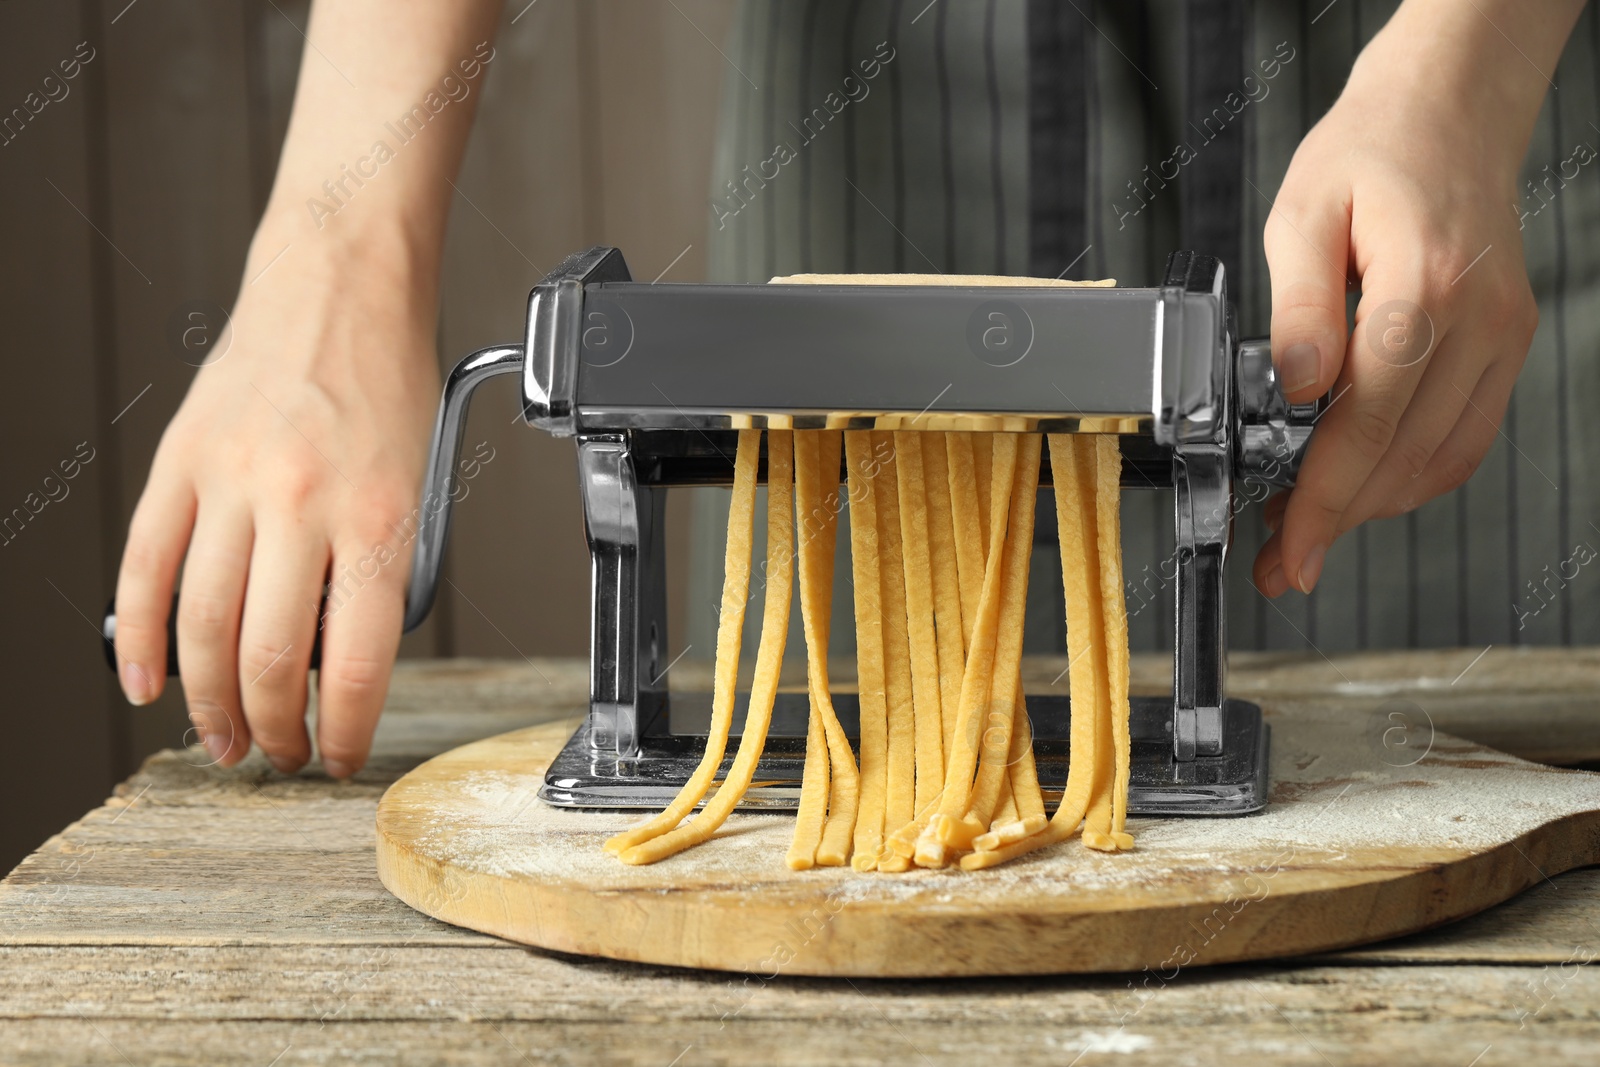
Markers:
point(769, 660)
point(928, 723)
point(830, 445)
point(1026, 816)
point(995, 747)
point(977, 678)
point(1098, 829)
point(1113, 599)
point(899, 801)
point(983, 465)
point(816, 550)
point(844, 795)
point(946, 583)
point(1024, 772)
point(979, 675)
point(862, 472)
point(1005, 811)
point(967, 534)
point(966, 508)
point(1076, 482)
point(730, 627)
point(1075, 465)
point(812, 811)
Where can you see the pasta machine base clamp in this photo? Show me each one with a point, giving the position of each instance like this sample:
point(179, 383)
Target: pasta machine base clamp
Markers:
point(654, 382)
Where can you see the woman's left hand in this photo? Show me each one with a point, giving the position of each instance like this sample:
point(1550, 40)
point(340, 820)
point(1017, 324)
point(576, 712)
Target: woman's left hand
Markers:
point(1407, 188)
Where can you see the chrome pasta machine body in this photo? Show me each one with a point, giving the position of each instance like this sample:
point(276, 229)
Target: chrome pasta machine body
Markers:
point(653, 382)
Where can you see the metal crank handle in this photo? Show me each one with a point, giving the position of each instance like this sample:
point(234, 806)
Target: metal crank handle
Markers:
point(432, 515)
point(1272, 433)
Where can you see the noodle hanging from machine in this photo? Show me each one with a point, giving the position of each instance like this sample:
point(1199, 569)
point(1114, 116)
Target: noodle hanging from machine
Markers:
point(941, 536)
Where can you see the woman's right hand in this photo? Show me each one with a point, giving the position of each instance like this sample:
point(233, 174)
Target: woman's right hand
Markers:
point(295, 460)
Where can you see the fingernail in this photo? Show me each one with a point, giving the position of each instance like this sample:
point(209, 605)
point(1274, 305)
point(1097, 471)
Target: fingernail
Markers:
point(337, 768)
point(281, 765)
point(1299, 367)
point(136, 684)
point(1275, 582)
point(1311, 568)
point(1274, 520)
point(216, 744)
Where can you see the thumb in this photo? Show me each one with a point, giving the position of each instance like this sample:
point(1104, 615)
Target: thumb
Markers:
point(1308, 256)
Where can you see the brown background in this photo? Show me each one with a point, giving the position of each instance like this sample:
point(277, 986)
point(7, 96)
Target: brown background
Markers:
point(138, 192)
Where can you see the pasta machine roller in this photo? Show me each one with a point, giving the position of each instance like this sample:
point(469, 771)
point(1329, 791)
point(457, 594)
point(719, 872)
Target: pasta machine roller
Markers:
point(654, 380)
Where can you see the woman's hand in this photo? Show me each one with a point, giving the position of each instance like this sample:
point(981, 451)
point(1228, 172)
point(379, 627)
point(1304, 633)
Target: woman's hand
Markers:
point(1407, 189)
point(296, 459)
point(298, 454)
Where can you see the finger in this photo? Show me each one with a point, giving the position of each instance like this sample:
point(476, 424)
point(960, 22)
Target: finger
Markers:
point(209, 607)
point(1272, 511)
point(280, 623)
point(157, 539)
point(1469, 440)
point(1308, 258)
point(1387, 354)
point(1434, 410)
point(1268, 570)
point(360, 637)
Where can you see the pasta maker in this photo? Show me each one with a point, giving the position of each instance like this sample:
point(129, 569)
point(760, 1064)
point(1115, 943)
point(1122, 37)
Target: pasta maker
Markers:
point(654, 381)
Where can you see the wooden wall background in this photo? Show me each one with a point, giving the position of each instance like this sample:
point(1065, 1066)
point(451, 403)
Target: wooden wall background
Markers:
point(139, 190)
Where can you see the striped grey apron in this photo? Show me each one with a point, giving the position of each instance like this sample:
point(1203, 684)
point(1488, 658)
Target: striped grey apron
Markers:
point(1014, 137)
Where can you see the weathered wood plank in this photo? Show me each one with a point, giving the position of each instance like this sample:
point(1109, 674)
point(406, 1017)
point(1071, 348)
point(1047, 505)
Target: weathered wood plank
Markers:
point(208, 916)
point(189, 854)
point(469, 1004)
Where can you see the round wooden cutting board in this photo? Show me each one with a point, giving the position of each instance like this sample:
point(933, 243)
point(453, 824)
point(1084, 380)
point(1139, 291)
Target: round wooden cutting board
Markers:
point(1371, 833)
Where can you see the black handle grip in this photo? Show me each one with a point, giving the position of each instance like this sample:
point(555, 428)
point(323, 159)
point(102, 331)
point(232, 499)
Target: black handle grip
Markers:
point(108, 635)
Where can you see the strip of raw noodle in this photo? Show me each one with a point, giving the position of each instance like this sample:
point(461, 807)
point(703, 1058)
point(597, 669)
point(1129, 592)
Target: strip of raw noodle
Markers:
point(967, 526)
point(862, 472)
point(970, 552)
point(816, 781)
point(929, 851)
point(916, 553)
point(1026, 815)
point(1097, 820)
point(1024, 775)
point(1005, 811)
point(946, 590)
point(814, 786)
point(968, 530)
point(730, 627)
point(983, 466)
point(953, 618)
point(819, 501)
point(995, 746)
point(946, 583)
point(1113, 602)
point(815, 777)
point(1074, 471)
point(900, 801)
point(845, 790)
point(769, 660)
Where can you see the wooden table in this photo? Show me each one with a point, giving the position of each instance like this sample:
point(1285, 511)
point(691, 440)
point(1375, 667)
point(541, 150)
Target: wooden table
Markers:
point(210, 917)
